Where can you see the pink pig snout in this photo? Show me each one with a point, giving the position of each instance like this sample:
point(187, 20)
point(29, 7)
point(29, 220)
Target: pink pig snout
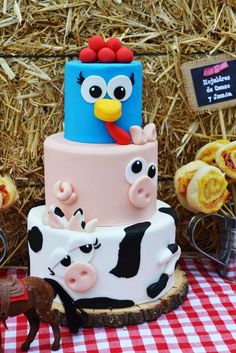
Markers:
point(141, 192)
point(80, 276)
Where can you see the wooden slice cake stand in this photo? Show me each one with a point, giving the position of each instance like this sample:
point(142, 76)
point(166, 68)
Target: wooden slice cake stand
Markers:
point(137, 313)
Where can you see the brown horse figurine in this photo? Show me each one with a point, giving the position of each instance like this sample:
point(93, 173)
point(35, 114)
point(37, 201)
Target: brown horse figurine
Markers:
point(36, 307)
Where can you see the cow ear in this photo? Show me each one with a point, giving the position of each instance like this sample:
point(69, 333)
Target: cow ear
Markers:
point(170, 211)
point(35, 239)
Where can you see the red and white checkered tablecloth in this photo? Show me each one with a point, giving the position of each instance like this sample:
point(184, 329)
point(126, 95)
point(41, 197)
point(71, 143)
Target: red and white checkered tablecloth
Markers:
point(206, 322)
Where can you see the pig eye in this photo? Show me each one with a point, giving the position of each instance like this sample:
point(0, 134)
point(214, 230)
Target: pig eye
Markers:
point(66, 261)
point(86, 248)
point(152, 170)
point(135, 169)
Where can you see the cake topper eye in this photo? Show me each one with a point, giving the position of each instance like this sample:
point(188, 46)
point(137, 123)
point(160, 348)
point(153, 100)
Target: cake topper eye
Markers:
point(152, 170)
point(93, 88)
point(120, 87)
point(135, 169)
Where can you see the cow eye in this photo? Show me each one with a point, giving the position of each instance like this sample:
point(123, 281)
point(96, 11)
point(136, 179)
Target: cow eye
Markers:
point(93, 88)
point(152, 170)
point(120, 88)
point(86, 248)
point(135, 169)
point(66, 261)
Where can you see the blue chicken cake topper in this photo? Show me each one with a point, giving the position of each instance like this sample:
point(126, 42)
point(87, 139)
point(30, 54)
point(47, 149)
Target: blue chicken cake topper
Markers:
point(102, 99)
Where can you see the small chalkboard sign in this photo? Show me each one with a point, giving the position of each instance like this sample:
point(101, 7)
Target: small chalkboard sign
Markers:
point(210, 83)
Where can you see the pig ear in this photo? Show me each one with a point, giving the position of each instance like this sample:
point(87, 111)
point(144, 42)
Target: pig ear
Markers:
point(35, 239)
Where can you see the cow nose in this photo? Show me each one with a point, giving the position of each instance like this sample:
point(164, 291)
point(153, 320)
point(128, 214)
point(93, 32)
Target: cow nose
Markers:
point(141, 192)
point(80, 276)
point(107, 109)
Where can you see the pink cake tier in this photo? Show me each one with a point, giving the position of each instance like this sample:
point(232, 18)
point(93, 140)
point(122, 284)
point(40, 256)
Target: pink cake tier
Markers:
point(114, 184)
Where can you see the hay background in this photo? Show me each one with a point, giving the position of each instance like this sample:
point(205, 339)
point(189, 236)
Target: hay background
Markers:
point(36, 36)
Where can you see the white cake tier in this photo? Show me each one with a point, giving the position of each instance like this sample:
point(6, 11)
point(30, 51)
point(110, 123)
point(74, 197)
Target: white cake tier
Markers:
point(111, 267)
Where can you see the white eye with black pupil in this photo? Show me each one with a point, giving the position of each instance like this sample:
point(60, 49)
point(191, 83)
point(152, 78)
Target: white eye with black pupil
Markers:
point(135, 169)
point(93, 88)
point(120, 88)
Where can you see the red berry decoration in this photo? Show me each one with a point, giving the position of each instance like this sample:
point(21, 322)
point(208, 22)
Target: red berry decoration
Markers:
point(88, 55)
point(96, 43)
point(114, 44)
point(124, 55)
point(106, 55)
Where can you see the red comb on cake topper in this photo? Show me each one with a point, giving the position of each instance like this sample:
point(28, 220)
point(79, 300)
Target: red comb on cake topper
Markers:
point(105, 52)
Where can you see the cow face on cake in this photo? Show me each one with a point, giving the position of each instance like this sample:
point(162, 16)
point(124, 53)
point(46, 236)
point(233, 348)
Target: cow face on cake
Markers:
point(100, 98)
point(83, 264)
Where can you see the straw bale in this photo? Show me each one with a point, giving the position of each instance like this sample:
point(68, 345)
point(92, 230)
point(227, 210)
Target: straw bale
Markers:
point(37, 37)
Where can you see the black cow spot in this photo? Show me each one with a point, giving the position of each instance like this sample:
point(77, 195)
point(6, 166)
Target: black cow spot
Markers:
point(156, 288)
point(59, 212)
point(103, 303)
point(129, 251)
point(173, 248)
point(170, 211)
point(35, 239)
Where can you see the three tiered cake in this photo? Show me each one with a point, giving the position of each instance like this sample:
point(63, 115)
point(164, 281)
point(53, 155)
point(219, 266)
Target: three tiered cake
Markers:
point(101, 236)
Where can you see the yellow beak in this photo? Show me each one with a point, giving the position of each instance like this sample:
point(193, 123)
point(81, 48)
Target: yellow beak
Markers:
point(107, 109)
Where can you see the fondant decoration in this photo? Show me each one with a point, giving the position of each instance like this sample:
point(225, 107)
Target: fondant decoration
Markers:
point(88, 55)
point(207, 190)
point(35, 304)
point(57, 219)
point(109, 52)
point(141, 136)
point(182, 178)
point(207, 152)
point(114, 44)
point(156, 288)
point(103, 303)
point(106, 55)
point(141, 191)
point(136, 245)
point(86, 84)
point(124, 55)
point(107, 110)
point(102, 195)
point(119, 135)
point(129, 251)
point(168, 258)
point(64, 192)
point(96, 43)
point(73, 320)
point(8, 192)
point(35, 239)
point(72, 263)
point(226, 159)
point(171, 211)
